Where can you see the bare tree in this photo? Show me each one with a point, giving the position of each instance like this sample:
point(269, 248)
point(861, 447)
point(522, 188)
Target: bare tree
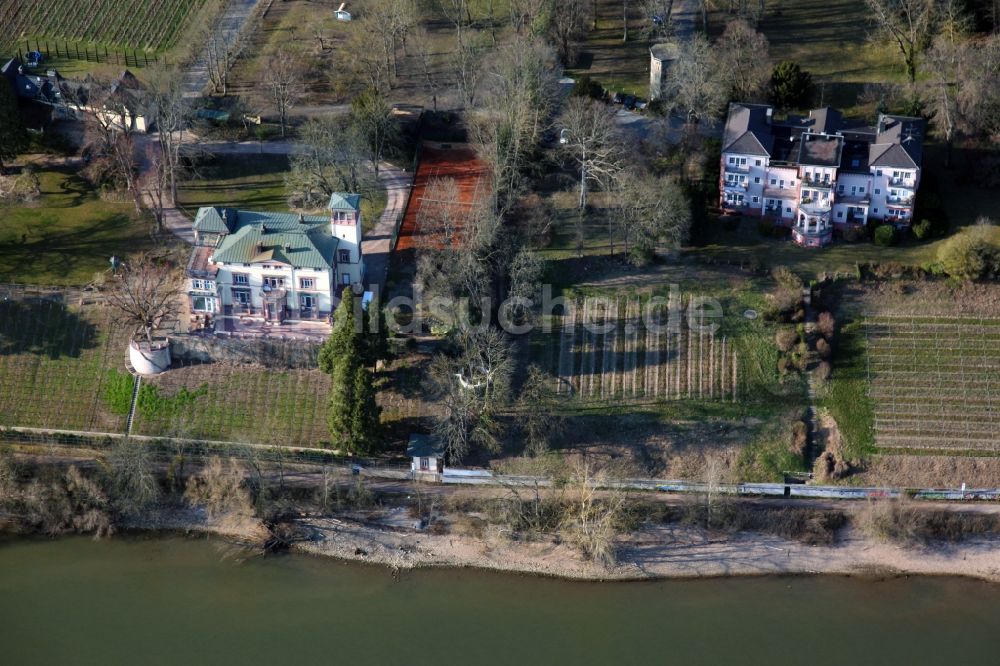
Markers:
point(590, 138)
point(741, 57)
point(979, 94)
point(169, 110)
point(133, 483)
point(283, 83)
point(145, 293)
point(906, 23)
point(658, 14)
point(222, 49)
point(330, 156)
point(519, 94)
point(693, 86)
point(422, 48)
point(594, 518)
point(373, 118)
point(648, 212)
point(568, 24)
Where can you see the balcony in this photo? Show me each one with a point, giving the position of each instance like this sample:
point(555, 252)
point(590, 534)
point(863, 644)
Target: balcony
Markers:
point(815, 206)
point(737, 168)
point(905, 183)
point(812, 236)
point(735, 186)
point(899, 201)
point(824, 184)
point(856, 199)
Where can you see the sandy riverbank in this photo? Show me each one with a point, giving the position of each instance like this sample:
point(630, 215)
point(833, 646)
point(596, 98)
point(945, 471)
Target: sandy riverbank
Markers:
point(657, 552)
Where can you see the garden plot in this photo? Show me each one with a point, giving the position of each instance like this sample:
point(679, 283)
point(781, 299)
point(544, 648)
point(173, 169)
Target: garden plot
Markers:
point(934, 381)
point(624, 349)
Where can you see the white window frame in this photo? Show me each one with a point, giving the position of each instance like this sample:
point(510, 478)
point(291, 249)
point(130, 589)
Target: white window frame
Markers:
point(345, 278)
point(307, 283)
point(241, 278)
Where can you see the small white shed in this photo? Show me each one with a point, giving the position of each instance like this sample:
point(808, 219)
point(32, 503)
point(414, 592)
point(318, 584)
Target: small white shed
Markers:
point(426, 453)
point(341, 13)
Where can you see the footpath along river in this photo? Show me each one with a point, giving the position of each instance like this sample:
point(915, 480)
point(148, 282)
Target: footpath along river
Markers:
point(171, 600)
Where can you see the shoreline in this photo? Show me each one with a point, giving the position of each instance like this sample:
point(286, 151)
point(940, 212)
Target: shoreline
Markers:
point(658, 553)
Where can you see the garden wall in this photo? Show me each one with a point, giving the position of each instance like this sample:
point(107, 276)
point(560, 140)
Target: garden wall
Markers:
point(260, 352)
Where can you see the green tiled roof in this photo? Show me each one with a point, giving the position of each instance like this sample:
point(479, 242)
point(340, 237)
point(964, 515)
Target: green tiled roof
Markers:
point(209, 220)
point(344, 202)
point(301, 242)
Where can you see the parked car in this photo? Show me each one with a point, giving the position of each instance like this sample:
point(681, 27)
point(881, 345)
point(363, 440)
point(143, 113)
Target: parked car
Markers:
point(34, 58)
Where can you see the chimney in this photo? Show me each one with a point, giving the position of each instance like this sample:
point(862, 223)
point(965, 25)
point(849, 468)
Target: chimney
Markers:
point(302, 218)
point(341, 7)
point(768, 114)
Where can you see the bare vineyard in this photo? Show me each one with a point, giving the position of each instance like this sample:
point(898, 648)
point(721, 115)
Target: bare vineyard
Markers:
point(60, 363)
point(934, 382)
point(137, 25)
point(622, 354)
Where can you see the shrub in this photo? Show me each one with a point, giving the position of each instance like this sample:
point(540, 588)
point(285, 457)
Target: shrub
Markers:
point(785, 365)
point(922, 230)
point(766, 227)
point(853, 233)
point(885, 235)
point(971, 255)
point(823, 348)
point(823, 371)
point(785, 339)
point(800, 437)
point(826, 325)
point(786, 278)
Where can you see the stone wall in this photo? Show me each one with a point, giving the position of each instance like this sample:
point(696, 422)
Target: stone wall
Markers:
point(278, 354)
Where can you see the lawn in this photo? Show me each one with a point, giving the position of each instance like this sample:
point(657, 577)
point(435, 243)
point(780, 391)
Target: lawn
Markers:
point(606, 59)
point(68, 236)
point(255, 182)
point(830, 40)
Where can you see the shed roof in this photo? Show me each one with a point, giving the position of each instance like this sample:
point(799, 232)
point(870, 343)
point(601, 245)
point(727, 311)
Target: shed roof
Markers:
point(425, 446)
point(339, 201)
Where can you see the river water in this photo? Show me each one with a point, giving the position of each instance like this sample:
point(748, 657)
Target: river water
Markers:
point(153, 600)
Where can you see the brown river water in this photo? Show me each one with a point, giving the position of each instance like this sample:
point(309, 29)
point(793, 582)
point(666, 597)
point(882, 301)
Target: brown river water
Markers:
point(176, 600)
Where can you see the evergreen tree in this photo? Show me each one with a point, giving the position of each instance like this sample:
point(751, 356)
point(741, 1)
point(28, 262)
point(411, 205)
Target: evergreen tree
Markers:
point(342, 400)
point(353, 416)
point(13, 136)
point(343, 342)
point(365, 413)
point(791, 87)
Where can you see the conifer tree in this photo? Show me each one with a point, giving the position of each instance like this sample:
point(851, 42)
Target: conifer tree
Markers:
point(13, 136)
point(365, 413)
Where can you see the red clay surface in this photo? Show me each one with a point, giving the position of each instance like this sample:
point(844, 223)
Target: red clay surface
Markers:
point(457, 161)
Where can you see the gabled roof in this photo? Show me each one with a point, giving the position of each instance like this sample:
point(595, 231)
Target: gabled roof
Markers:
point(251, 237)
point(340, 201)
point(747, 130)
point(210, 220)
point(890, 155)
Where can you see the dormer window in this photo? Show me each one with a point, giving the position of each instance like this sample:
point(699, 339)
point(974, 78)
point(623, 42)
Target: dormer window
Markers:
point(344, 256)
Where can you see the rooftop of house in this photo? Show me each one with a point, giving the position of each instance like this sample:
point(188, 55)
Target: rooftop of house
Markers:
point(28, 85)
point(824, 138)
point(52, 88)
point(252, 237)
point(424, 446)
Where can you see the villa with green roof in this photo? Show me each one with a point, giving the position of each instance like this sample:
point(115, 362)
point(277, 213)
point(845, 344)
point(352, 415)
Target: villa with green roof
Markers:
point(273, 269)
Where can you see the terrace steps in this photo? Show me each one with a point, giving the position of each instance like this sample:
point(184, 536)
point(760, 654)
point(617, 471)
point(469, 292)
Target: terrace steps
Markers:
point(131, 409)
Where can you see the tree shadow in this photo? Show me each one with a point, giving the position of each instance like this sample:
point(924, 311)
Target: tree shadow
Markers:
point(45, 328)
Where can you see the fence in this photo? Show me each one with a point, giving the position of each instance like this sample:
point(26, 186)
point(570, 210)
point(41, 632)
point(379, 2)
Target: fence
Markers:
point(409, 197)
point(397, 470)
point(72, 51)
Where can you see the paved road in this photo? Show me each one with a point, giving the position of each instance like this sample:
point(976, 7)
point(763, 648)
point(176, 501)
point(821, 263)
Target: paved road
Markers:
point(233, 18)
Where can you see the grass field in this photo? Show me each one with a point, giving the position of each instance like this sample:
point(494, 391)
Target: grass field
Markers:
point(150, 26)
point(69, 235)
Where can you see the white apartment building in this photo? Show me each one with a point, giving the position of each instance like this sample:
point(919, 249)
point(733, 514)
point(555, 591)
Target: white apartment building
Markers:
point(819, 174)
point(273, 268)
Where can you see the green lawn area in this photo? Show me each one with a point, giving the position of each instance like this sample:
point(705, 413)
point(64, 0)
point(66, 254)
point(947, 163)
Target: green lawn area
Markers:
point(616, 65)
point(68, 235)
point(254, 182)
point(830, 40)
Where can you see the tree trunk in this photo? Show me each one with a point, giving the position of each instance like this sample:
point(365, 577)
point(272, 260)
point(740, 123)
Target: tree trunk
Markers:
point(624, 20)
point(583, 186)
